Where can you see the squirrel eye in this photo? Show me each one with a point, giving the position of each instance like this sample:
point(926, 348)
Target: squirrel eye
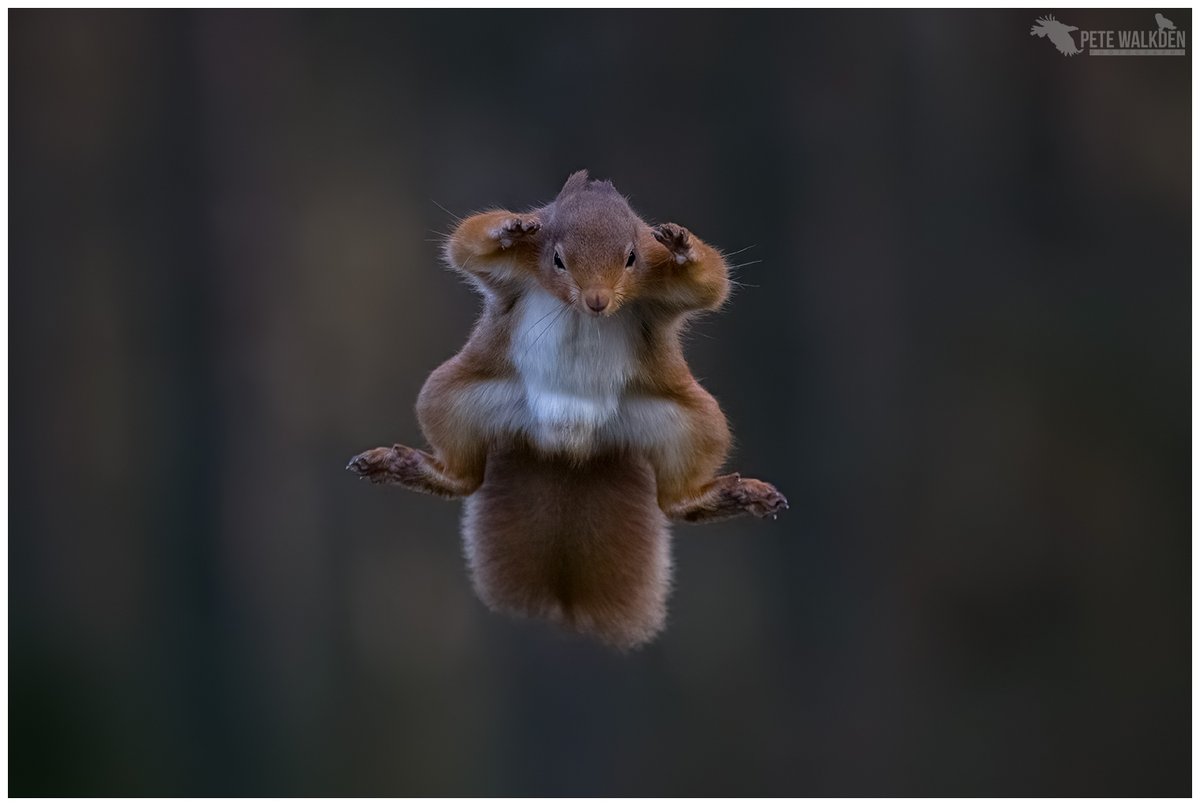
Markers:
point(629, 262)
point(558, 264)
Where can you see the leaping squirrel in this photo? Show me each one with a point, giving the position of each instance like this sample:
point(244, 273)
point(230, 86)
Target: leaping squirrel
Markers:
point(570, 421)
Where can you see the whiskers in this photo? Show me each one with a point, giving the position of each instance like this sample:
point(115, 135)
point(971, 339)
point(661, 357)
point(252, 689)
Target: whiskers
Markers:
point(619, 297)
point(562, 310)
point(541, 319)
point(736, 282)
point(733, 281)
point(456, 218)
point(738, 251)
point(443, 236)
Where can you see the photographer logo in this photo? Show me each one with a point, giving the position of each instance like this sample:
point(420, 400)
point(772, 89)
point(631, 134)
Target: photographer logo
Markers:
point(1164, 39)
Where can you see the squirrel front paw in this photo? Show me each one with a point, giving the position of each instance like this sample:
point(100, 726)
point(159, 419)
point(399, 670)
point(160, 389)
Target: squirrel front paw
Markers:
point(515, 229)
point(677, 240)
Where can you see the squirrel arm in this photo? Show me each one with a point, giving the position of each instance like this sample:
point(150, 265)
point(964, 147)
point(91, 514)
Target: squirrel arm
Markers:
point(682, 272)
point(496, 245)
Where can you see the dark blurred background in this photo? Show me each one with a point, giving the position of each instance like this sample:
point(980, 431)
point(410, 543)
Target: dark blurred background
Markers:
point(964, 356)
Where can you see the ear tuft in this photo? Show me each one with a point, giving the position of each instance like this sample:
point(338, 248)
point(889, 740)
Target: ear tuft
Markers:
point(575, 182)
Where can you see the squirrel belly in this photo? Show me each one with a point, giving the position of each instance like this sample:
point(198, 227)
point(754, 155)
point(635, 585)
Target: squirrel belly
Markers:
point(580, 543)
point(572, 371)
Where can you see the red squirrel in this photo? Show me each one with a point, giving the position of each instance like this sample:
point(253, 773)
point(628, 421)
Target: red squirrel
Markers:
point(570, 421)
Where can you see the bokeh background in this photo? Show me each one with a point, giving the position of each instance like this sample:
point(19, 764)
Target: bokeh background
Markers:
point(963, 353)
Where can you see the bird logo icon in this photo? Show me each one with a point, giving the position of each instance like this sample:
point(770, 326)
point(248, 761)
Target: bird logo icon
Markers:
point(1058, 32)
point(1163, 23)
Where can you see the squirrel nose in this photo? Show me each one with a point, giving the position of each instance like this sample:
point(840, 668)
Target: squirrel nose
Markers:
point(598, 300)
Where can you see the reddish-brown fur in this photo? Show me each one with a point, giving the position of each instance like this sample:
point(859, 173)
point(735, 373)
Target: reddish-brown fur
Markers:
point(582, 544)
point(569, 524)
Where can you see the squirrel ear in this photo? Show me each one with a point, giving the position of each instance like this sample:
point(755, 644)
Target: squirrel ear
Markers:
point(575, 182)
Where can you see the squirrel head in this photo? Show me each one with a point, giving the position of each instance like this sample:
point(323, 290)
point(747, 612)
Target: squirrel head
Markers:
point(590, 237)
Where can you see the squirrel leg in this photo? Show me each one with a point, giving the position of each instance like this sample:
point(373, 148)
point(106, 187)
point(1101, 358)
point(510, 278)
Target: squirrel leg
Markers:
point(686, 463)
point(456, 409)
point(727, 496)
point(411, 468)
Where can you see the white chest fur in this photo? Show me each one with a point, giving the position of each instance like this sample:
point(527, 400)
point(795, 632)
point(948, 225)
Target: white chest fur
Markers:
point(574, 369)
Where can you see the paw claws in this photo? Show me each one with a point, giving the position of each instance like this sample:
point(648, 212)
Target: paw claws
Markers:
point(760, 498)
point(512, 230)
point(677, 240)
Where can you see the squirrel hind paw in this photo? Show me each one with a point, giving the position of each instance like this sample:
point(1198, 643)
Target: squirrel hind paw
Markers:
point(760, 498)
